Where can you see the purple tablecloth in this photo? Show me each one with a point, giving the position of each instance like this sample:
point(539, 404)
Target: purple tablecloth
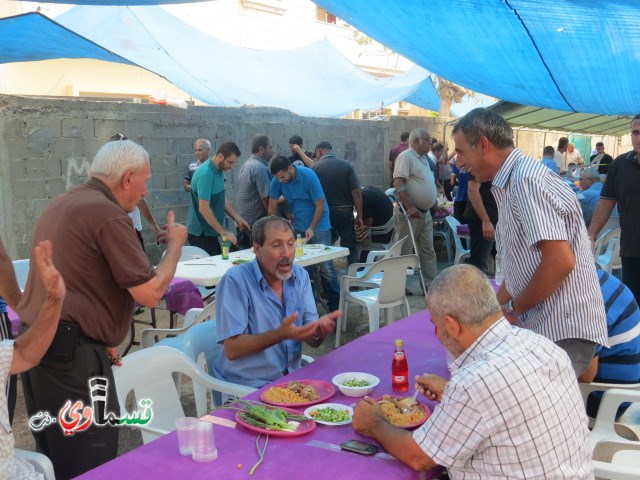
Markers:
point(309, 456)
point(15, 321)
point(182, 295)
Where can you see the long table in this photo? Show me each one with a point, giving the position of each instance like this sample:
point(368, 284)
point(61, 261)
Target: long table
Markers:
point(208, 271)
point(315, 455)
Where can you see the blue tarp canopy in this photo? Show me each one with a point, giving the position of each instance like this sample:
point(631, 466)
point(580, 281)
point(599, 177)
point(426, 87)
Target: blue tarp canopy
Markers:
point(570, 55)
point(315, 80)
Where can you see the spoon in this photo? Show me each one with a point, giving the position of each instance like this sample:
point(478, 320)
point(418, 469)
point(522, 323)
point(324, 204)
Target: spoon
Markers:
point(406, 405)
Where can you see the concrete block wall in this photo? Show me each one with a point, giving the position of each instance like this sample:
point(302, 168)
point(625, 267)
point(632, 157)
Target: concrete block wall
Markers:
point(48, 144)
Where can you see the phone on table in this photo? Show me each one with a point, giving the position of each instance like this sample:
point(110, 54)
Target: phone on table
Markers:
point(357, 446)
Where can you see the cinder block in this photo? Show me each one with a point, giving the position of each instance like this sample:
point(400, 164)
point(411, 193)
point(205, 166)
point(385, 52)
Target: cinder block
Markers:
point(77, 128)
point(18, 149)
point(43, 168)
point(174, 181)
point(15, 127)
point(50, 122)
point(28, 189)
point(65, 148)
point(106, 128)
point(156, 147)
point(275, 131)
point(90, 146)
point(18, 169)
point(54, 187)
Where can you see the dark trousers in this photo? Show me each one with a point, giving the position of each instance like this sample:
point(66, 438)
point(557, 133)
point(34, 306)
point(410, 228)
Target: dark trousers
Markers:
point(12, 382)
point(49, 386)
point(244, 239)
point(211, 245)
point(631, 275)
point(458, 210)
point(480, 248)
point(448, 188)
point(343, 226)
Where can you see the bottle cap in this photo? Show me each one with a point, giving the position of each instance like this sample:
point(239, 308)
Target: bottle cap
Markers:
point(399, 343)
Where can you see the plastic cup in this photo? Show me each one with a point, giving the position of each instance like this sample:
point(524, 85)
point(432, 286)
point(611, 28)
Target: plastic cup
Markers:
point(186, 429)
point(204, 446)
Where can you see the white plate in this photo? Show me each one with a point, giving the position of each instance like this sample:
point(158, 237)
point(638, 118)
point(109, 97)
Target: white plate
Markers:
point(316, 246)
point(336, 406)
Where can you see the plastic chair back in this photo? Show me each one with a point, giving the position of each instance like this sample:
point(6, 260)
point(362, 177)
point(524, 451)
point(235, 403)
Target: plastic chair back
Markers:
point(40, 463)
point(193, 317)
point(461, 252)
point(190, 252)
point(148, 373)
point(598, 244)
point(606, 259)
point(394, 251)
point(394, 278)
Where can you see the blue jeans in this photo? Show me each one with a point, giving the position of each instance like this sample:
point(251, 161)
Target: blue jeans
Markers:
point(328, 276)
point(342, 225)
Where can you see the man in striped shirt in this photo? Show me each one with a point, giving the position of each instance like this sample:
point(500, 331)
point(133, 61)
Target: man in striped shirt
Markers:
point(550, 283)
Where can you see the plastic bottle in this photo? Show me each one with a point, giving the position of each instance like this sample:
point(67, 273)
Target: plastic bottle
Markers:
point(225, 247)
point(399, 369)
point(299, 246)
point(499, 276)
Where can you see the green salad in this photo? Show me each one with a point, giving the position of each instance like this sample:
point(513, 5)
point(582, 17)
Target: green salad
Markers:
point(329, 414)
point(354, 382)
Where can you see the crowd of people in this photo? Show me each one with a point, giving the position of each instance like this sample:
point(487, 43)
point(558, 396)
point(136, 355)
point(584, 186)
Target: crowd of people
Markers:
point(517, 354)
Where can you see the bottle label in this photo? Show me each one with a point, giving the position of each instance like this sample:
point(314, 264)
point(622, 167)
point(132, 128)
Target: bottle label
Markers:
point(399, 378)
point(399, 355)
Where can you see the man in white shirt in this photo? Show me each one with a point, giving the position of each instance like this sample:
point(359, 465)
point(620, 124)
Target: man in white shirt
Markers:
point(573, 155)
point(512, 408)
point(560, 157)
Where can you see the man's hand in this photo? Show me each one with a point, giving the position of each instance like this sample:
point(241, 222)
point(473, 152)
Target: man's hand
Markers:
point(366, 416)
point(414, 212)
point(242, 224)
point(327, 323)
point(288, 329)
point(309, 234)
point(232, 237)
point(172, 233)
point(431, 386)
point(296, 148)
point(488, 231)
point(114, 356)
point(50, 276)
point(358, 222)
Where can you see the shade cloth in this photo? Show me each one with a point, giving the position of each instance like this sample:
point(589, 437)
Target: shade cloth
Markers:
point(210, 70)
point(568, 55)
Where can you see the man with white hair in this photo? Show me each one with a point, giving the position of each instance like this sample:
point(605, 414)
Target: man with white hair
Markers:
point(573, 155)
point(591, 184)
point(512, 408)
point(106, 272)
point(265, 309)
point(416, 189)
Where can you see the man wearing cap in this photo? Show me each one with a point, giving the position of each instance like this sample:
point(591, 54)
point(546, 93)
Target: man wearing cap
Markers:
point(342, 190)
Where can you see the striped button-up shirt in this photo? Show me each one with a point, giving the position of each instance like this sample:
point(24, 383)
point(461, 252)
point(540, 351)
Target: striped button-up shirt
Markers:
point(534, 205)
point(512, 409)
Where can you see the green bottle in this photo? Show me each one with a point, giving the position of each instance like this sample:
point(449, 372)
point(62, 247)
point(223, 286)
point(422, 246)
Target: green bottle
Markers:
point(225, 247)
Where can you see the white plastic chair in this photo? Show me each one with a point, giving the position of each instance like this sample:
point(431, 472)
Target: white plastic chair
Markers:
point(597, 247)
point(610, 259)
point(614, 457)
point(193, 317)
point(40, 462)
point(21, 267)
point(461, 252)
point(359, 269)
point(390, 294)
point(148, 373)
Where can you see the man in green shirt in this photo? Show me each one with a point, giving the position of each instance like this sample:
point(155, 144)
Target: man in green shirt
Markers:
point(208, 205)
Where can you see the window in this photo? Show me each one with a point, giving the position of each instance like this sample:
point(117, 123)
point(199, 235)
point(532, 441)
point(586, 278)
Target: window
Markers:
point(325, 17)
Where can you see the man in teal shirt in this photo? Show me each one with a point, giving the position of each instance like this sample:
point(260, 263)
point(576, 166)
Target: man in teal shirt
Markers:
point(208, 205)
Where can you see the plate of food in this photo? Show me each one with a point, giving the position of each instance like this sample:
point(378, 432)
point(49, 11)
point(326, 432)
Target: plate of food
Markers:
point(277, 421)
point(239, 261)
point(300, 393)
point(408, 420)
point(315, 246)
point(330, 414)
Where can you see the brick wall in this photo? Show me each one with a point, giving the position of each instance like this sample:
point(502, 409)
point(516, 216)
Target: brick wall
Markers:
point(47, 145)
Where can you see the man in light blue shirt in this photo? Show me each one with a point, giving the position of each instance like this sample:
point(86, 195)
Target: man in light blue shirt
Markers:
point(592, 188)
point(301, 188)
point(265, 309)
point(547, 159)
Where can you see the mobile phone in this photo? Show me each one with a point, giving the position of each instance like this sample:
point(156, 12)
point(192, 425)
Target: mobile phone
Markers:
point(359, 447)
point(64, 342)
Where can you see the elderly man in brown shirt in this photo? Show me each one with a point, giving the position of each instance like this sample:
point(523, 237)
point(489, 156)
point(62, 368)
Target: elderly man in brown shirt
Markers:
point(106, 271)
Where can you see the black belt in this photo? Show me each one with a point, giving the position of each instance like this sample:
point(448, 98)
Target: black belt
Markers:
point(342, 207)
point(421, 210)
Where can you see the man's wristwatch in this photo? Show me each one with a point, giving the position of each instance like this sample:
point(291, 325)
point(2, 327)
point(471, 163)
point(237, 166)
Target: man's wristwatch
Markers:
point(507, 308)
